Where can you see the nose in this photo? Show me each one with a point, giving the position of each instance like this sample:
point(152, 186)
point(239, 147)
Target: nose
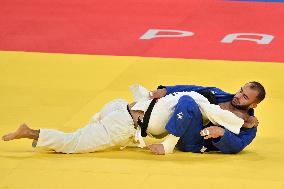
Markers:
point(238, 95)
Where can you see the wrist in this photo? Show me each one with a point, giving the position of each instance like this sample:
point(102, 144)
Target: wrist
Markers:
point(221, 131)
point(164, 91)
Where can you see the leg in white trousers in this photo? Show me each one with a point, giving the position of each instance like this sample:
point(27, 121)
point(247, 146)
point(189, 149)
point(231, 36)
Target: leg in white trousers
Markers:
point(112, 126)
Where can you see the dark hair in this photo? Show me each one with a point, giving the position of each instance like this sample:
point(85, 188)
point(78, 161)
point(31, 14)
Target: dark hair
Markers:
point(261, 91)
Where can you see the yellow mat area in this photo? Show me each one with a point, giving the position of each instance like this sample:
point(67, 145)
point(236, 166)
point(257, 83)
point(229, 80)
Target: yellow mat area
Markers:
point(63, 91)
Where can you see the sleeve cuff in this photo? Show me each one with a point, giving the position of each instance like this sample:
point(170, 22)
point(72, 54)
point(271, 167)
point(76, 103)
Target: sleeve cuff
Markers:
point(170, 143)
point(169, 89)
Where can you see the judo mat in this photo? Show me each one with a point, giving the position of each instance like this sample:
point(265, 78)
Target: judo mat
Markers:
point(61, 61)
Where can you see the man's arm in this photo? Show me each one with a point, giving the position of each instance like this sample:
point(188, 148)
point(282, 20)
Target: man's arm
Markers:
point(165, 90)
point(228, 142)
point(187, 88)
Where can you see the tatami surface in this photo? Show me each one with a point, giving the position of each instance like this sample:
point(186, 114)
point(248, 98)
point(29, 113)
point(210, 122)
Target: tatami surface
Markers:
point(63, 91)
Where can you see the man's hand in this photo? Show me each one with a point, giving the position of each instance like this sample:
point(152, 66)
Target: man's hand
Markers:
point(157, 149)
point(159, 93)
point(212, 132)
point(250, 122)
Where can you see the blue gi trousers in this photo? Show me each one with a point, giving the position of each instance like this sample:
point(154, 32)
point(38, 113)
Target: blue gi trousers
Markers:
point(186, 123)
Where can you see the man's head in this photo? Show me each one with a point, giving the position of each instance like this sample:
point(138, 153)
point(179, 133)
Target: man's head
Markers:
point(249, 96)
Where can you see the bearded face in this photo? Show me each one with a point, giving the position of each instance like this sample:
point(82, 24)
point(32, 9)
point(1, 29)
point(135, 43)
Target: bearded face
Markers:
point(245, 98)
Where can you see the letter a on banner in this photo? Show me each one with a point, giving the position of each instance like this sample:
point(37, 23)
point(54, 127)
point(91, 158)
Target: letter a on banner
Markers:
point(154, 33)
point(265, 38)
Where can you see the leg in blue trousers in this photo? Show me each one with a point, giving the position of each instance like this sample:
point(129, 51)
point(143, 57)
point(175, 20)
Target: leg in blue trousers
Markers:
point(186, 123)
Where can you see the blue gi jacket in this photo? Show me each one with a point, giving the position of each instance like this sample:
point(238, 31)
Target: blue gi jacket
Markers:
point(230, 143)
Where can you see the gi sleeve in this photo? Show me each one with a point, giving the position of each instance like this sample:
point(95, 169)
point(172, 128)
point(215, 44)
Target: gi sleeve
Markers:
point(170, 143)
point(231, 143)
point(221, 96)
point(187, 88)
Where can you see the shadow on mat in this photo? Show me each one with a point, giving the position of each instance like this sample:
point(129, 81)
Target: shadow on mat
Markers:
point(136, 154)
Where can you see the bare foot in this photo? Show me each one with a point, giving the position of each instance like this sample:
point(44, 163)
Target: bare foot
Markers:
point(22, 132)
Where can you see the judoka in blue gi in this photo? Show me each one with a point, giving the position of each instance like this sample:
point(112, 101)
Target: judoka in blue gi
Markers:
point(190, 128)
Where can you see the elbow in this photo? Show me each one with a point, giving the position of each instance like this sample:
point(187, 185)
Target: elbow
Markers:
point(234, 150)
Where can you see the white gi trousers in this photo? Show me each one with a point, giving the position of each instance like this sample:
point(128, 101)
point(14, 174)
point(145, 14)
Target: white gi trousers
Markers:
point(112, 126)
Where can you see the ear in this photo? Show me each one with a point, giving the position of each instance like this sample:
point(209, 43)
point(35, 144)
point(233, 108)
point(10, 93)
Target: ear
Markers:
point(253, 105)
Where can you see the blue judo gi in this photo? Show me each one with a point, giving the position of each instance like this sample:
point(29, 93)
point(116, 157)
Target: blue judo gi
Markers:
point(189, 125)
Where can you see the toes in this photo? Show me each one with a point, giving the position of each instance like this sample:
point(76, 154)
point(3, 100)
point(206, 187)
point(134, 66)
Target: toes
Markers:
point(7, 137)
point(4, 137)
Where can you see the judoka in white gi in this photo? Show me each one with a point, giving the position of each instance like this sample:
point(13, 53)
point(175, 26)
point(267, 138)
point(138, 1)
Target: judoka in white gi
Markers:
point(116, 124)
